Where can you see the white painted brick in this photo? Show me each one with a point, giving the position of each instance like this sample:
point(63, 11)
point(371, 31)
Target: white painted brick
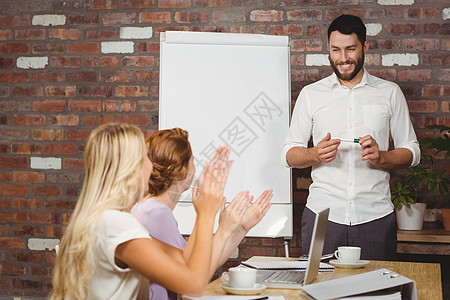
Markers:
point(395, 2)
point(373, 29)
point(136, 32)
point(45, 163)
point(48, 20)
point(446, 13)
point(32, 62)
point(42, 244)
point(317, 60)
point(117, 47)
point(403, 59)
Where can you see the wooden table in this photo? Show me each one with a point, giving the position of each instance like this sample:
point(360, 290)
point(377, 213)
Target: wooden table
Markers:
point(427, 241)
point(426, 275)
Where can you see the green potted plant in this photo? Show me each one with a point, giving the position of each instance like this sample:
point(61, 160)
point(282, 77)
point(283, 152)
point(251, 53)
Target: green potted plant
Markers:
point(420, 183)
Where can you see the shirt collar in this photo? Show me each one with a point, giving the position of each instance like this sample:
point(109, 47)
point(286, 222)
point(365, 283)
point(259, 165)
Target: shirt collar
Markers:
point(365, 80)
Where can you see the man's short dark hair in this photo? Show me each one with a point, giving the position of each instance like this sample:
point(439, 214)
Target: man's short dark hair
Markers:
point(348, 24)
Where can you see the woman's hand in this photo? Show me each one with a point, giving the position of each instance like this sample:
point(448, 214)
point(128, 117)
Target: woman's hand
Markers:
point(256, 211)
point(231, 215)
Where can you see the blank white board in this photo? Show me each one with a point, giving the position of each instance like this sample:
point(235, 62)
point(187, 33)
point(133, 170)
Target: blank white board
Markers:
point(231, 89)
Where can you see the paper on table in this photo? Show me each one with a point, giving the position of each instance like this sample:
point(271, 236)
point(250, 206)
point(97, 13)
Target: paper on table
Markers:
point(284, 265)
point(232, 297)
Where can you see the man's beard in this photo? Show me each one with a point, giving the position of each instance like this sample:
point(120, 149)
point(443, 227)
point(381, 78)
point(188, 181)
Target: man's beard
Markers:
point(347, 77)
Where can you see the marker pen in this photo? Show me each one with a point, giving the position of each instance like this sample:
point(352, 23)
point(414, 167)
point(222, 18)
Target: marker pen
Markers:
point(347, 140)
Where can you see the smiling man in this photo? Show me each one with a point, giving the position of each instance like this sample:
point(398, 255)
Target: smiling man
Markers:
point(351, 116)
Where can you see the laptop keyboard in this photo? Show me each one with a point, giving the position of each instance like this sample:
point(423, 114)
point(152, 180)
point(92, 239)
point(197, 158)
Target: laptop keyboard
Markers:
point(286, 277)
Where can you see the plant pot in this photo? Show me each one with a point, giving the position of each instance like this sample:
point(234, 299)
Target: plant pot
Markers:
point(410, 216)
point(446, 218)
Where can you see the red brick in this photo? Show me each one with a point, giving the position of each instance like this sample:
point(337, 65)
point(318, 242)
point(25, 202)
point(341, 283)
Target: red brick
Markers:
point(60, 149)
point(317, 30)
point(96, 120)
point(27, 284)
point(13, 189)
point(85, 105)
point(332, 14)
point(436, 29)
point(387, 74)
point(291, 30)
point(191, 17)
point(147, 76)
point(305, 15)
point(4, 148)
point(14, 77)
point(4, 92)
point(101, 35)
point(148, 47)
point(119, 18)
point(174, 3)
point(170, 28)
point(5, 35)
point(257, 29)
point(28, 176)
point(5, 176)
point(116, 76)
point(53, 231)
point(102, 4)
point(27, 230)
point(30, 34)
point(382, 44)
point(58, 205)
point(119, 106)
point(60, 91)
point(48, 48)
point(104, 61)
point(306, 45)
point(40, 271)
point(4, 231)
point(435, 59)
point(30, 91)
point(4, 120)
point(47, 77)
point(138, 61)
point(139, 120)
point(422, 13)
point(96, 91)
point(83, 48)
point(155, 91)
point(46, 191)
point(12, 21)
point(211, 3)
point(49, 105)
point(73, 163)
point(414, 75)
point(29, 120)
point(65, 120)
point(137, 4)
point(7, 63)
point(82, 76)
point(148, 106)
point(403, 29)
point(434, 91)
point(305, 75)
point(131, 91)
point(422, 106)
point(155, 17)
point(418, 44)
point(64, 34)
point(374, 14)
point(266, 15)
point(83, 19)
point(66, 62)
point(26, 148)
point(444, 75)
point(13, 270)
point(226, 16)
point(48, 135)
point(259, 251)
point(13, 134)
point(43, 218)
point(77, 135)
point(29, 256)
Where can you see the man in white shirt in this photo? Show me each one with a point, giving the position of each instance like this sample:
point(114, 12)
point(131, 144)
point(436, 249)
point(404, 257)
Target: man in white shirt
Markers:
point(351, 117)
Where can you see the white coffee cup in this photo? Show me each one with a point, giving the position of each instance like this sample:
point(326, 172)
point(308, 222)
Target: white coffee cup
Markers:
point(240, 277)
point(348, 254)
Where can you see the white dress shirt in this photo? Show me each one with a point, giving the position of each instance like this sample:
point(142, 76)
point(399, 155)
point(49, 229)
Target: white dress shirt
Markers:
point(356, 191)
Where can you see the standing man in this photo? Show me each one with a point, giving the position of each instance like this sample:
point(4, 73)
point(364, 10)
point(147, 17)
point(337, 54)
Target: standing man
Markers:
point(351, 116)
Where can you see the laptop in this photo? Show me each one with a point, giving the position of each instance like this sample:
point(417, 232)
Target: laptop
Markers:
point(286, 278)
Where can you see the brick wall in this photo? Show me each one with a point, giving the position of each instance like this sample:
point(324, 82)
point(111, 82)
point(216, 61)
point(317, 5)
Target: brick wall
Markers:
point(67, 66)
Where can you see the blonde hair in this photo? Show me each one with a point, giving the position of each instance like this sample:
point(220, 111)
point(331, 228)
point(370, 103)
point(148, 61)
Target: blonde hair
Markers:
point(113, 159)
point(170, 152)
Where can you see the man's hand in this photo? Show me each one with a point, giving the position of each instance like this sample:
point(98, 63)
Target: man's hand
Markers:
point(327, 148)
point(370, 150)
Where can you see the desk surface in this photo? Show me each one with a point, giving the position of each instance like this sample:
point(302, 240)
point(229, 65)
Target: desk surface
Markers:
point(426, 275)
point(424, 236)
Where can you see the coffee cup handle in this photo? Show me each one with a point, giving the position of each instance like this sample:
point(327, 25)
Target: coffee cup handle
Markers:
point(226, 277)
point(336, 253)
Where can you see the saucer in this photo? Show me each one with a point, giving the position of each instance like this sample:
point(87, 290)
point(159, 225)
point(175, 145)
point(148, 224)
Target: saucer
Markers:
point(256, 289)
point(357, 265)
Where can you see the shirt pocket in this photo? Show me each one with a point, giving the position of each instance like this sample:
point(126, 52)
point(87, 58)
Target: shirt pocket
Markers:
point(375, 116)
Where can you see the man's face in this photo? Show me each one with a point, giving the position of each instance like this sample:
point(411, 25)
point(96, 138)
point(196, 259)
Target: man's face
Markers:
point(346, 55)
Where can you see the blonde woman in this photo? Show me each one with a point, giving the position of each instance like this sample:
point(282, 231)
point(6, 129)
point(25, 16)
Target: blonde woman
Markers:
point(172, 174)
point(105, 253)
